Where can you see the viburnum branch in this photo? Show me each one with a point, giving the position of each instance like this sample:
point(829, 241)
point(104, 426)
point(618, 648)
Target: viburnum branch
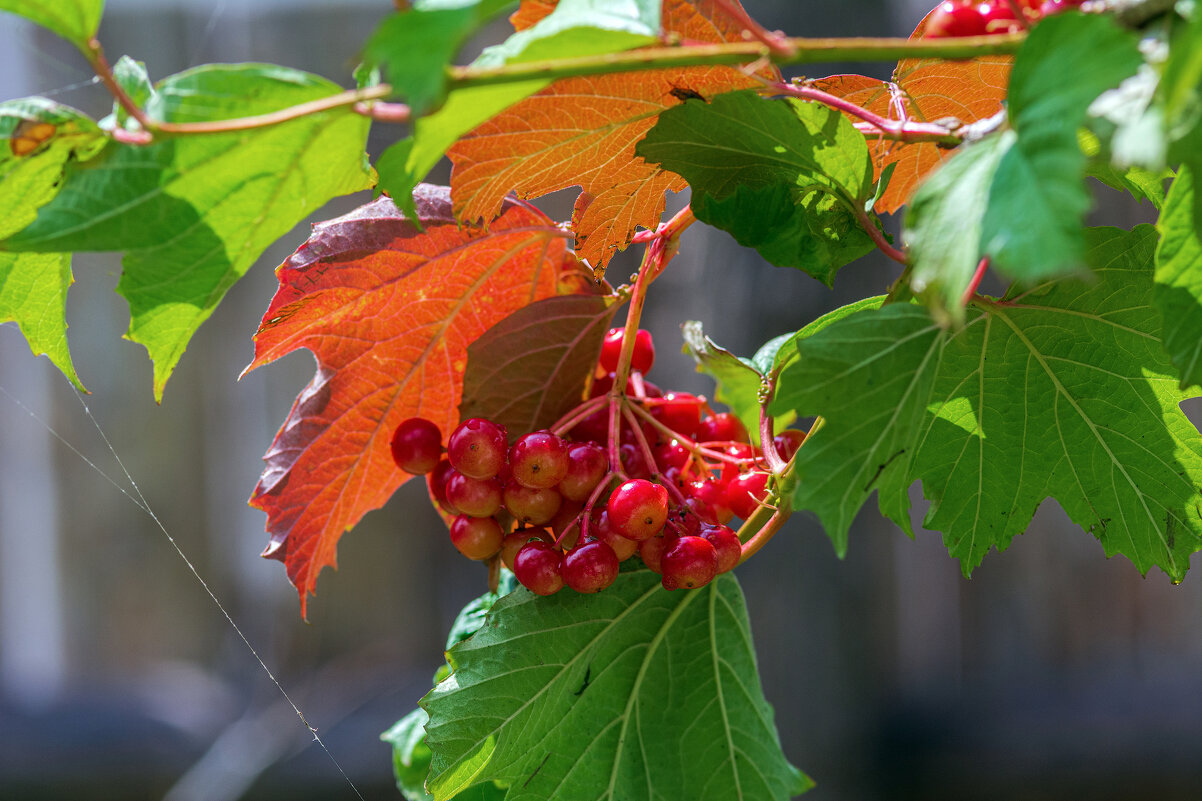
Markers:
point(876, 234)
point(100, 65)
point(801, 51)
point(351, 98)
point(875, 124)
point(578, 413)
point(649, 456)
point(775, 41)
point(971, 289)
point(764, 529)
point(767, 446)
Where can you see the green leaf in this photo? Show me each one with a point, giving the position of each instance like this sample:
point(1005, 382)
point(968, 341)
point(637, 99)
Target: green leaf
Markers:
point(567, 697)
point(1140, 182)
point(789, 178)
point(410, 755)
point(1032, 226)
point(1064, 391)
point(1179, 279)
point(738, 379)
point(943, 223)
point(416, 45)
point(74, 20)
point(574, 28)
point(33, 293)
point(131, 76)
point(195, 212)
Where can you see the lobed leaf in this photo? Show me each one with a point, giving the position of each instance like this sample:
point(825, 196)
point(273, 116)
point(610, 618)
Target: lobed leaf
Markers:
point(1178, 293)
point(74, 20)
point(738, 380)
point(42, 138)
point(564, 697)
point(529, 369)
point(1064, 391)
point(388, 310)
point(575, 28)
point(786, 177)
point(922, 90)
point(193, 213)
point(582, 132)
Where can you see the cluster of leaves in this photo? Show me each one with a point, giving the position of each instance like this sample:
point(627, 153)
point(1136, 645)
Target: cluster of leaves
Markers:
point(444, 303)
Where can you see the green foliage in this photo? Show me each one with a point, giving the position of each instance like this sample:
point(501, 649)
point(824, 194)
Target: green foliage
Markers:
point(566, 697)
point(1031, 227)
point(788, 178)
point(193, 213)
point(1061, 392)
point(74, 20)
point(1179, 279)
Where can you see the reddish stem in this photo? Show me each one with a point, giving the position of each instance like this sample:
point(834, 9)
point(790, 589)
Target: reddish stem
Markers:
point(776, 464)
point(902, 130)
point(971, 289)
point(578, 413)
point(100, 65)
point(876, 234)
point(776, 41)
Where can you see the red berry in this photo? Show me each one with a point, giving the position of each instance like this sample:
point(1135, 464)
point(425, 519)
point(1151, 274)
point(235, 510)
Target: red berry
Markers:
point(741, 451)
point(671, 454)
point(787, 442)
point(473, 496)
point(594, 428)
point(532, 506)
point(638, 509)
point(1050, 7)
point(590, 567)
point(436, 482)
point(726, 545)
point(417, 445)
point(633, 461)
point(999, 17)
point(722, 427)
point(566, 517)
point(611, 348)
point(957, 18)
point(537, 566)
point(477, 448)
point(476, 537)
point(744, 493)
point(538, 460)
point(587, 465)
point(688, 563)
point(515, 541)
point(651, 550)
point(713, 495)
point(602, 531)
point(680, 412)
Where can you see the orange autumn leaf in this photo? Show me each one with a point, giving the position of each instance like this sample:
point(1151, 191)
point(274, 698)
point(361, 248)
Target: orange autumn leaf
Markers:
point(582, 132)
point(388, 311)
point(924, 90)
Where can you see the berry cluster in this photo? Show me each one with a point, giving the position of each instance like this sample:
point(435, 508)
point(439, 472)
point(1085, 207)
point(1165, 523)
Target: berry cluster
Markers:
point(647, 472)
point(981, 17)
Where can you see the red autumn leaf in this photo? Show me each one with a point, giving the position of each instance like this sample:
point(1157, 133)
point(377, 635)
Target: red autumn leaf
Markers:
point(389, 312)
point(529, 369)
point(582, 132)
point(927, 90)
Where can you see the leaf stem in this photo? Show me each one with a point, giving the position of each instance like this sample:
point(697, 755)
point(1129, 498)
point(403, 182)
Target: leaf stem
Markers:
point(975, 282)
point(352, 97)
point(767, 446)
point(790, 51)
point(876, 125)
point(100, 65)
point(868, 223)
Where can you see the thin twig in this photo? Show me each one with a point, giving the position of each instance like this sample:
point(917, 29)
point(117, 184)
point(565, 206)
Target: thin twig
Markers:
point(901, 130)
point(876, 234)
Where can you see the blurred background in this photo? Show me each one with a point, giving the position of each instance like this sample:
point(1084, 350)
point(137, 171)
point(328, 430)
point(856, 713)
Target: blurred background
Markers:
point(1052, 674)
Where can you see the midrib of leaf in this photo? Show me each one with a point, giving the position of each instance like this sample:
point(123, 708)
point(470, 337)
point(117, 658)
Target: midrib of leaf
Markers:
point(652, 647)
point(730, 742)
point(1116, 463)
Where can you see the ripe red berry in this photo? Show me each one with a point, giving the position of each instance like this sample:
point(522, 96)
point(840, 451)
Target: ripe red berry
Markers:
point(417, 445)
point(514, 542)
point(638, 509)
point(477, 448)
point(538, 460)
point(611, 348)
point(531, 506)
point(633, 461)
point(688, 563)
point(602, 531)
point(680, 412)
point(713, 495)
point(651, 550)
point(477, 537)
point(1050, 7)
point(436, 482)
point(726, 545)
point(537, 566)
point(671, 454)
point(473, 496)
point(957, 18)
point(787, 442)
point(744, 493)
point(722, 427)
point(587, 465)
point(999, 17)
point(590, 567)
